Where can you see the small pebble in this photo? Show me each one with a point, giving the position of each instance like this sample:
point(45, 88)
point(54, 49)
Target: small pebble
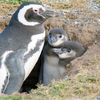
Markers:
point(9, 16)
point(85, 94)
point(79, 12)
point(60, 1)
point(98, 20)
point(66, 79)
point(4, 17)
point(98, 97)
point(72, 22)
point(88, 72)
point(79, 20)
point(63, 13)
point(70, 11)
point(11, 13)
point(77, 23)
point(98, 77)
point(60, 19)
point(75, 96)
point(86, 20)
point(94, 8)
point(96, 24)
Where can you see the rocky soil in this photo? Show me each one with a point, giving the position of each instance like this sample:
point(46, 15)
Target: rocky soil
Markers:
point(82, 25)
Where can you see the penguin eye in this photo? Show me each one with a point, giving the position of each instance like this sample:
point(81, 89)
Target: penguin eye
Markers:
point(68, 50)
point(60, 36)
point(35, 10)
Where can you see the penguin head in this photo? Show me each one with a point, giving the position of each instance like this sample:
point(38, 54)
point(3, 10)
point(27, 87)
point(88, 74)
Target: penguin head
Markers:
point(32, 13)
point(57, 37)
point(70, 49)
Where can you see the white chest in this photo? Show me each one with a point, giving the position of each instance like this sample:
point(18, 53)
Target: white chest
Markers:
point(51, 60)
point(52, 69)
point(29, 65)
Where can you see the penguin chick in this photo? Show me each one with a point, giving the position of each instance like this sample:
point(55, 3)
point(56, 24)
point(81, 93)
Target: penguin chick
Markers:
point(55, 66)
point(56, 38)
point(69, 51)
point(21, 44)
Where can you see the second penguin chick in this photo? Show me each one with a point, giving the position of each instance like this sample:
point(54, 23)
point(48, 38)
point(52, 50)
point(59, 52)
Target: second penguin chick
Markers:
point(69, 51)
point(56, 38)
point(57, 65)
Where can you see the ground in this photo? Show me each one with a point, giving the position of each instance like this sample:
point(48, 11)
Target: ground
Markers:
point(83, 74)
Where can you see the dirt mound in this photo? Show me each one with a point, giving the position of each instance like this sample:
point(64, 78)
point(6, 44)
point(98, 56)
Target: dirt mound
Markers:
point(83, 34)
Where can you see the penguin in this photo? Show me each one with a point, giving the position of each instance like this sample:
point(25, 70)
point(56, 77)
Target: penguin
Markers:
point(68, 52)
point(56, 65)
point(56, 38)
point(21, 44)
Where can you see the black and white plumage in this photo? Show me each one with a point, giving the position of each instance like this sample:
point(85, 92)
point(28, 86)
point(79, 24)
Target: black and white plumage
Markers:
point(21, 44)
point(56, 38)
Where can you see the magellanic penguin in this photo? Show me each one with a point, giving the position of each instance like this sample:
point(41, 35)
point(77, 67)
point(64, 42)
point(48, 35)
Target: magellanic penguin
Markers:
point(69, 51)
point(56, 66)
point(56, 38)
point(21, 44)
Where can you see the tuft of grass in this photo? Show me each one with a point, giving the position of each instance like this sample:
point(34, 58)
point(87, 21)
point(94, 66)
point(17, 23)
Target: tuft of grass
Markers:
point(15, 97)
point(62, 90)
point(84, 78)
point(13, 2)
point(98, 1)
point(57, 89)
point(54, 3)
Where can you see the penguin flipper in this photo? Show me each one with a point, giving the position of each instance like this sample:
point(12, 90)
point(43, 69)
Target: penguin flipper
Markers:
point(15, 66)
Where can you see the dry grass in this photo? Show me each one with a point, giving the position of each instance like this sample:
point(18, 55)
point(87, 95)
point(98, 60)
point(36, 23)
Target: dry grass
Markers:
point(83, 86)
point(65, 5)
point(6, 6)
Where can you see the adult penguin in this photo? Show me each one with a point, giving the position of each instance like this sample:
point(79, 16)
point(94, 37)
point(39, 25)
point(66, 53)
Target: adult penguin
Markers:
point(21, 44)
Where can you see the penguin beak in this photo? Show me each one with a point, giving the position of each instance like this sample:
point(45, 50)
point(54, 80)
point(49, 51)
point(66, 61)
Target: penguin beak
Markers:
point(53, 40)
point(50, 13)
point(57, 50)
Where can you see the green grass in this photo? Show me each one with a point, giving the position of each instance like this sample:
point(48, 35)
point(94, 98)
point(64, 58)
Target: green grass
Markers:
point(15, 97)
point(98, 2)
point(14, 1)
point(62, 90)
point(78, 85)
point(17, 1)
point(57, 89)
point(56, 4)
point(84, 79)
